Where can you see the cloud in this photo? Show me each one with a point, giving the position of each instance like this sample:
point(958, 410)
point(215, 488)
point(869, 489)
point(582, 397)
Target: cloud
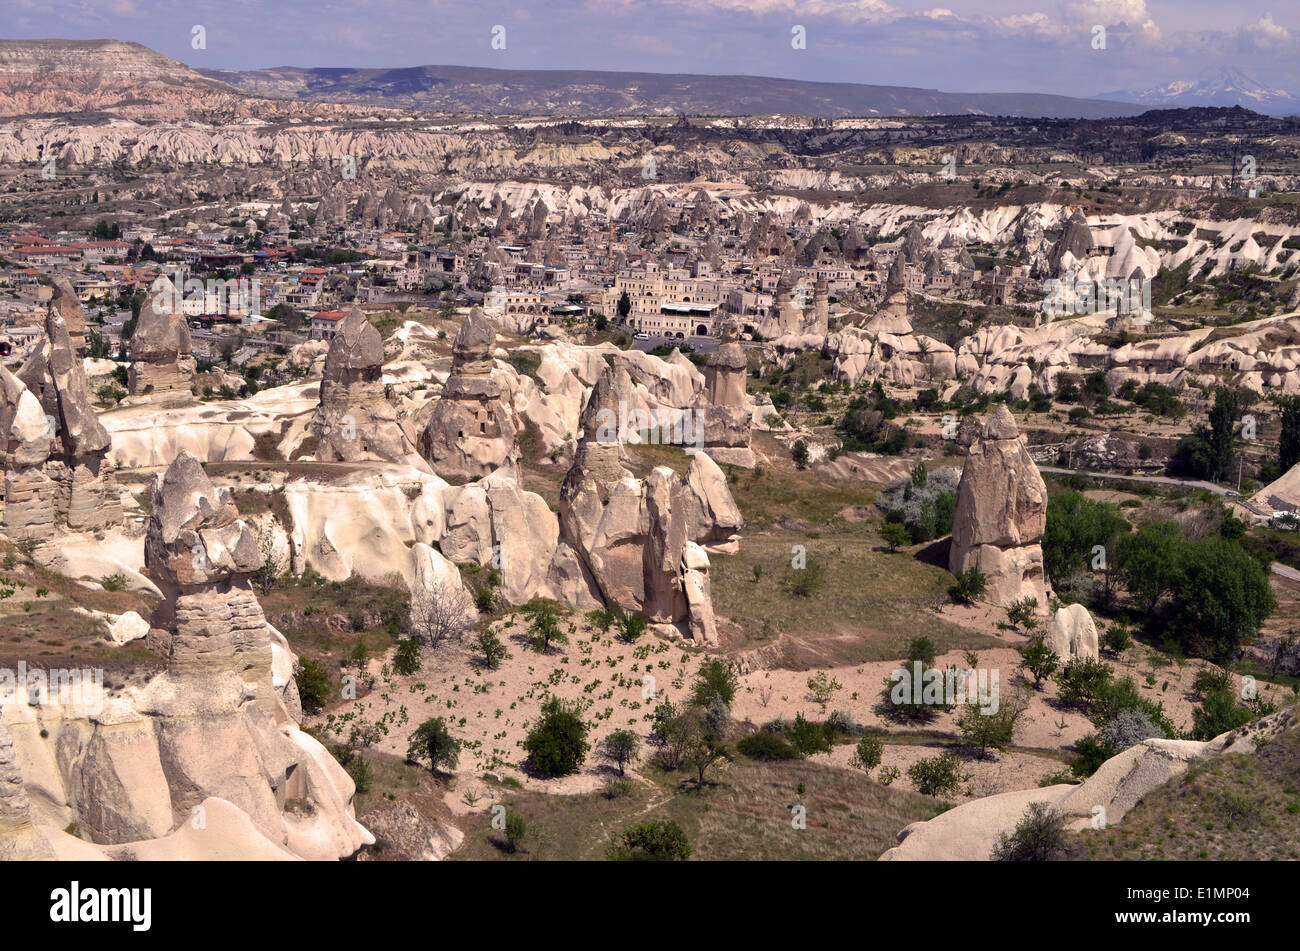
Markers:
point(1265, 34)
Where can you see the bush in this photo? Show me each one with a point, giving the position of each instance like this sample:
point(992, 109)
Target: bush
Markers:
point(716, 678)
point(315, 685)
point(1083, 680)
point(492, 648)
point(1129, 728)
point(867, 755)
point(924, 502)
point(1218, 713)
point(895, 535)
point(1039, 836)
point(1039, 659)
point(114, 582)
point(433, 746)
point(620, 748)
point(1093, 750)
point(1116, 639)
point(557, 745)
point(406, 658)
point(799, 453)
point(938, 776)
point(361, 774)
point(545, 628)
point(969, 587)
point(809, 736)
point(516, 828)
point(654, 841)
point(765, 745)
point(806, 581)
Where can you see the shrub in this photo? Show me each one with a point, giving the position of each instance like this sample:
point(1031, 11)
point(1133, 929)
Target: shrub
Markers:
point(1039, 659)
point(1129, 728)
point(492, 648)
point(360, 772)
point(655, 841)
point(808, 736)
point(1218, 713)
point(1039, 836)
point(545, 628)
point(969, 587)
point(1093, 750)
point(406, 658)
point(314, 684)
point(716, 678)
point(799, 453)
point(114, 582)
point(557, 745)
point(806, 581)
point(433, 746)
point(765, 745)
point(1116, 639)
point(516, 828)
point(620, 748)
point(937, 776)
point(1082, 681)
point(895, 535)
point(867, 755)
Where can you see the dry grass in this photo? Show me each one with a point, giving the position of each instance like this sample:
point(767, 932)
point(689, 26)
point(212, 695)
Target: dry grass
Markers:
point(744, 815)
point(1232, 807)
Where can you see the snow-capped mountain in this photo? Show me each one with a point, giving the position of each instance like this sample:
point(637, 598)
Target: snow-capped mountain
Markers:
point(1222, 87)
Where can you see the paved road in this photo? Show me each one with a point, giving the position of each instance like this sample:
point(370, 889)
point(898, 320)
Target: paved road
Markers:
point(1163, 480)
point(700, 344)
point(1285, 571)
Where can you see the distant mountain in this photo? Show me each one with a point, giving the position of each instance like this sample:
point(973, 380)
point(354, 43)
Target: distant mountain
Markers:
point(1222, 87)
point(469, 89)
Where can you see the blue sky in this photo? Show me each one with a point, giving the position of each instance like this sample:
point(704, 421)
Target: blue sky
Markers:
point(958, 45)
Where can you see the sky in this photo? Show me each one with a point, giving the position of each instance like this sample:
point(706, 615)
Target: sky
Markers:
point(962, 46)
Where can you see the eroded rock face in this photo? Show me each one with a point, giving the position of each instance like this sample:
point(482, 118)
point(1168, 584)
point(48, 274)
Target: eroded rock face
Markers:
point(472, 430)
point(219, 723)
point(162, 360)
point(1001, 514)
point(85, 494)
point(25, 440)
point(727, 412)
point(1072, 633)
point(638, 538)
point(356, 421)
point(68, 306)
point(19, 839)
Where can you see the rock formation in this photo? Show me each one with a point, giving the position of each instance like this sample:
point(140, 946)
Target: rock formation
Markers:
point(68, 306)
point(85, 494)
point(1072, 633)
point(472, 430)
point(639, 538)
point(26, 437)
point(162, 361)
point(218, 724)
point(1000, 515)
point(356, 421)
point(726, 410)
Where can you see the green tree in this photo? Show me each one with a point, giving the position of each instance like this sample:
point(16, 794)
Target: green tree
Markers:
point(557, 745)
point(620, 748)
point(1039, 659)
point(1147, 560)
point(1218, 713)
point(406, 657)
point(315, 685)
point(433, 746)
point(799, 453)
point(1221, 596)
point(624, 306)
point(492, 648)
point(895, 535)
point(545, 628)
point(969, 587)
point(866, 756)
point(716, 678)
point(937, 776)
point(1077, 524)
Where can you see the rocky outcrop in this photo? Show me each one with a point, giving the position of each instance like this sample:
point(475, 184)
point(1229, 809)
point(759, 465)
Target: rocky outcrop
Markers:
point(471, 432)
point(67, 305)
point(356, 420)
point(19, 839)
point(26, 437)
point(1001, 514)
point(727, 412)
point(638, 538)
point(1072, 633)
point(216, 728)
point(162, 360)
point(85, 494)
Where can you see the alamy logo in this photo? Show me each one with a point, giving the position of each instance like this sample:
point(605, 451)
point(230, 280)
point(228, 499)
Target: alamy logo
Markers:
point(75, 689)
point(1070, 296)
point(932, 686)
point(666, 427)
point(211, 296)
point(76, 904)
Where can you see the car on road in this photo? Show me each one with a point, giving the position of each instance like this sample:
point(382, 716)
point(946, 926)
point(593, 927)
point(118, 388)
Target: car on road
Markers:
point(641, 336)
